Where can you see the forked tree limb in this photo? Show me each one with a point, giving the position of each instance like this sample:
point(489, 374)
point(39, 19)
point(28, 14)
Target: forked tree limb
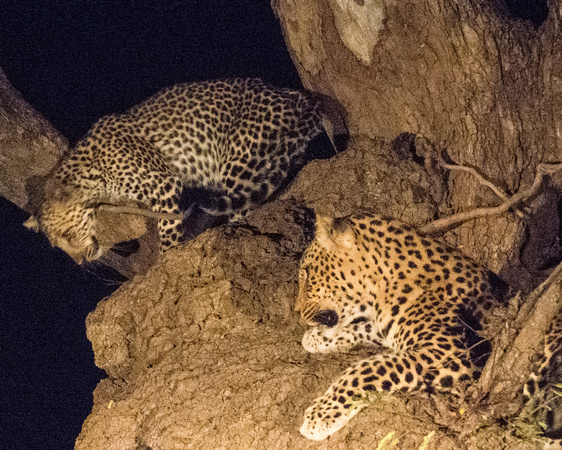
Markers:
point(481, 179)
point(447, 223)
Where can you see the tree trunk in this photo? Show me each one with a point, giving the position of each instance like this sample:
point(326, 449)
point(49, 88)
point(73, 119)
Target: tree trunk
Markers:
point(468, 79)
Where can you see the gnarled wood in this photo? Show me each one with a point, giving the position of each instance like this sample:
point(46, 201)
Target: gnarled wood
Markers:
point(30, 149)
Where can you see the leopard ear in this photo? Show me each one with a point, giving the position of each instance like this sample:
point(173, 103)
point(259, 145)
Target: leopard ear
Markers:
point(32, 224)
point(332, 233)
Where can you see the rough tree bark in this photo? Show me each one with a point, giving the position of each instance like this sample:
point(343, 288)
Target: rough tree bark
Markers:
point(466, 77)
point(30, 149)
point(203, 351)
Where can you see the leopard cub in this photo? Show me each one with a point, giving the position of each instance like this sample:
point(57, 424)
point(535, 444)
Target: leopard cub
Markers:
point(368, 280)
point(238, 140)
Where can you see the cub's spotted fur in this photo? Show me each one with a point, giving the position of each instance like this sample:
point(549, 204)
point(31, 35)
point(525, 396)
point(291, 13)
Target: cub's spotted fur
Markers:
point(366, 280)
point(238, 139)
point(543, 391)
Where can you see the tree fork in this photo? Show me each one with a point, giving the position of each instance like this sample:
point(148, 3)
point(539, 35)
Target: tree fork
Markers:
point(462, 75)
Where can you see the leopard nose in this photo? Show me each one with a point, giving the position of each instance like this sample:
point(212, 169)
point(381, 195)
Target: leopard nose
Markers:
point(327, 317)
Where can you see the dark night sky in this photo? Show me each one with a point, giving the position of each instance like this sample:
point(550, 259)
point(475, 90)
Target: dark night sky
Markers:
point(76, 61)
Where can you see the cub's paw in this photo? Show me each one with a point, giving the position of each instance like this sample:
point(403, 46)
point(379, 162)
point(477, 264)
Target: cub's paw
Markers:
point(327, 415)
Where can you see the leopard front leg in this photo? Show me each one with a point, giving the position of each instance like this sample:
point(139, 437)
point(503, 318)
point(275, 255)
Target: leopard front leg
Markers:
point(339, 404)
point(324, 339)
point(170, 231)
point(385, 372)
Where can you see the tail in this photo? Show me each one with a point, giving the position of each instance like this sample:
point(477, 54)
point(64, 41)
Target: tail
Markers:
point(331, 119)
point(214, 202)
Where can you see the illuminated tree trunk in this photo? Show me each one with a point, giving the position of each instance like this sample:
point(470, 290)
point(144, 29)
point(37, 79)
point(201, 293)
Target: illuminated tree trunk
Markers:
point(462, 76)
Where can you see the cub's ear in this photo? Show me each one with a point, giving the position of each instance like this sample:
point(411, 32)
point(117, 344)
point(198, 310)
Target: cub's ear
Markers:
point(332, 233)
point(31, 224)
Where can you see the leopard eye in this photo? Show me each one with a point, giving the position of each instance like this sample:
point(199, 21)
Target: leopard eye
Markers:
point(326, 317)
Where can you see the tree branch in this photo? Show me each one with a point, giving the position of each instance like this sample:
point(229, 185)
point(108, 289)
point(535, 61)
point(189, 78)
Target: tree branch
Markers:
point(30, 149)
point(483, 181)
point(447, 223)
point(519, 343)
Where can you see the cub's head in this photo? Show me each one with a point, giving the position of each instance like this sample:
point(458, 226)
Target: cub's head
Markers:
point(333, 275)
point(69, 223)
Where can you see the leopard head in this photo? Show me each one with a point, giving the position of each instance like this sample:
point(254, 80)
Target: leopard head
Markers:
point(69, 222)
point(319, 297)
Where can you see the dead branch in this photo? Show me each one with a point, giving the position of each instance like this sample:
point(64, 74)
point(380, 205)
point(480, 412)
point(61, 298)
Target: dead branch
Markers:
point(519, 344)
point(447, 223)
point(481, 179)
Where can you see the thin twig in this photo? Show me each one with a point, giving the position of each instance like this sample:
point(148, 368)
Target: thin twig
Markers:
point(447, 223)
point(329, 129)
point(483, 181)
point(139, 212)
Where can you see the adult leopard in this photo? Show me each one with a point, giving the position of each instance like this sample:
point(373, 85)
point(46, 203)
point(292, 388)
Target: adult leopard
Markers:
point(239, 140)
